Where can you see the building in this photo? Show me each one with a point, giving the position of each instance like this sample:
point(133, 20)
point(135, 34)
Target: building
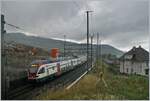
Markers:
point(135, 61)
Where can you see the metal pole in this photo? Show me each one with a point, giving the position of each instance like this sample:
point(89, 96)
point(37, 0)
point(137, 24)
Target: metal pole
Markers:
point(101, 58)
point(64, 46)
point(88, 37)
point(4, 61)
point(91, 49)
point(2, 66)
point(97, 50)
point(101, 53)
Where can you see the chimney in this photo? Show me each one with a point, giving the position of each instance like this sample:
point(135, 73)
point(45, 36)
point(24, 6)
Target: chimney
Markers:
point(133, 48)
point(139, 46)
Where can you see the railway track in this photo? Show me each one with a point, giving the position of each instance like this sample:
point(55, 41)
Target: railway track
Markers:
point(29, 91)
point(19, 91)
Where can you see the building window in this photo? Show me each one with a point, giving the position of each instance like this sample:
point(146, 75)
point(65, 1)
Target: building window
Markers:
point(147, 63)
point(146, 71)
point(127, 70)
point(131, 70)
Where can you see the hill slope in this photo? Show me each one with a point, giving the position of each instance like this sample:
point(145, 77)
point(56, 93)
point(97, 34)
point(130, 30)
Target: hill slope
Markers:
point(47, 43)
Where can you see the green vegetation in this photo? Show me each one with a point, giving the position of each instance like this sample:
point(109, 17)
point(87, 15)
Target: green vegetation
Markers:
point(118, 86)
point(17, 59)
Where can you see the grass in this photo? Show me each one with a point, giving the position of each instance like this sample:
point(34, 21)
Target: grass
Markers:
point(118, 87)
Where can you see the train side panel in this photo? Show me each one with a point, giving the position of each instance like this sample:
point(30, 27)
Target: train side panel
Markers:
point(55, 69)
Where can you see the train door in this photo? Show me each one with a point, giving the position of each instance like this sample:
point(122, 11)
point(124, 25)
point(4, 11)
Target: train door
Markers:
point(51, 70)
point(41, 72)
point(72, 64)
point(58, 69)
point(47, 72)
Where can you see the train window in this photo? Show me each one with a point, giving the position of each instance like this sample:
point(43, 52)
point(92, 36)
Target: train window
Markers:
point(53, 68)
point(42, 70)
point(47, 71)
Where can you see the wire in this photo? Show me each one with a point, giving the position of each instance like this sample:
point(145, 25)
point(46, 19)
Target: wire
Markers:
point(16, 27)
point(13, 25)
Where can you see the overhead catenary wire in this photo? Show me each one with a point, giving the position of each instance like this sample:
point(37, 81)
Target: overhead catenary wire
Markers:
point(17, 27)
point(12, 25)
point(24, 30)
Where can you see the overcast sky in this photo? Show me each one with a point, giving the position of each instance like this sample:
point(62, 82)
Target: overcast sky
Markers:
point(121, 23)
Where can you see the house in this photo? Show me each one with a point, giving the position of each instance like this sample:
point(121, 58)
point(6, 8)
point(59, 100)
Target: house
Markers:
point(135, 61)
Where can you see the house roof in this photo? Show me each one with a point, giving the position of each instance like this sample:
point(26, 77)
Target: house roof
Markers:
point(137, 54)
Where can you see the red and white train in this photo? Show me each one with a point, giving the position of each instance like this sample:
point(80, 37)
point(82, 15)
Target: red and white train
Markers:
point(41, 70)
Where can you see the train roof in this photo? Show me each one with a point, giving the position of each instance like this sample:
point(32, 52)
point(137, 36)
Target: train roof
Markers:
point(47, 61)
point(41, 62)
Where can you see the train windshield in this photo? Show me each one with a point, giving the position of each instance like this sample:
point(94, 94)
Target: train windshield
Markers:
point(33, 70)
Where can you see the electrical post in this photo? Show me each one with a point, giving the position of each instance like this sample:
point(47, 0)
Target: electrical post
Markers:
point(2, 32)
point(3, 55)
point(71, 51)
point(101, 53)
point(101, 50)
point(5, 82)
point(92, 49)
point(81, 49)
point(97, 52)
point(64, 46)
point(97, 49)
point(87, 12)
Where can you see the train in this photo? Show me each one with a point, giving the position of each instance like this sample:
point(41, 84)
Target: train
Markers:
point(42, 70)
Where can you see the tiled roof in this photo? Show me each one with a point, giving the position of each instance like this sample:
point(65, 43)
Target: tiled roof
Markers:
point(138, 54)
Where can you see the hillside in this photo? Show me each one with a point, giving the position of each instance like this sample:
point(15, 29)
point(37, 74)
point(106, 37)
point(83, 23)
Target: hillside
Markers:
point(47, 43)
point(17, 58)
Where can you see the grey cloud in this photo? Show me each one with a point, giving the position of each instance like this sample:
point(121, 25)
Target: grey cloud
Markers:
point(121, 22)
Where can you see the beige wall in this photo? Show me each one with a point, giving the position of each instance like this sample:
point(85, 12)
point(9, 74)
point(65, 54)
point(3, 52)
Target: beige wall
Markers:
point(135, 68)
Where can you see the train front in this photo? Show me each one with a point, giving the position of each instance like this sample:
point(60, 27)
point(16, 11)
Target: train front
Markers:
point(32, 71)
